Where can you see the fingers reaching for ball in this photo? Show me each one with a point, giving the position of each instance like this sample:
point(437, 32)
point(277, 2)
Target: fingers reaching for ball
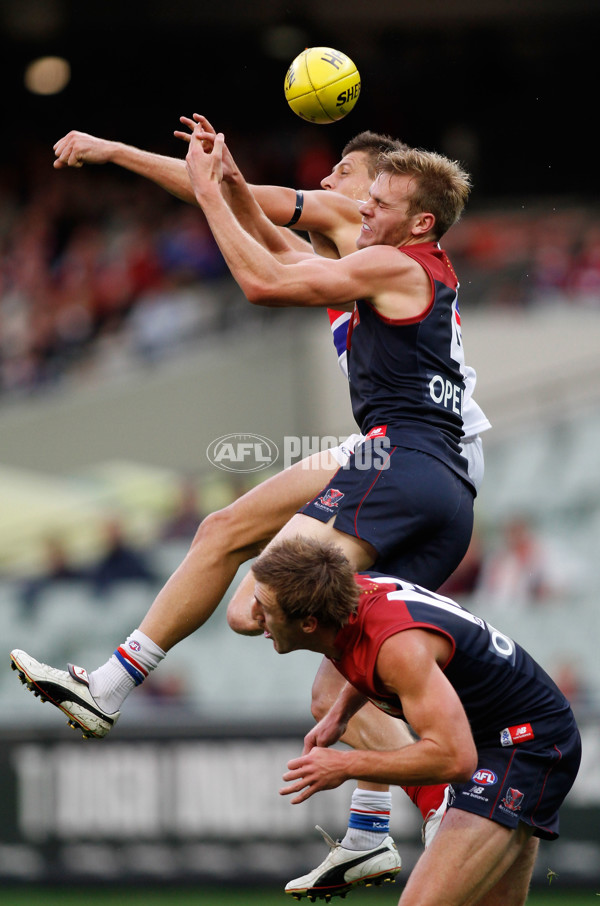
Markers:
point(196, 120)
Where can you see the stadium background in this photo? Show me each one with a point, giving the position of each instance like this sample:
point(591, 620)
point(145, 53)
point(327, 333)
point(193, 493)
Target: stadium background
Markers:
point(108, 428)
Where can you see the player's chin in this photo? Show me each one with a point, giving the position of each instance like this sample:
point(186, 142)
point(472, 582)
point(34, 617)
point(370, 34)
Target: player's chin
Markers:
point(279, 647)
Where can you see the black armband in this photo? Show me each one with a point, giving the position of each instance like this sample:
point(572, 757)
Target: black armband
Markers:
point(297, 210)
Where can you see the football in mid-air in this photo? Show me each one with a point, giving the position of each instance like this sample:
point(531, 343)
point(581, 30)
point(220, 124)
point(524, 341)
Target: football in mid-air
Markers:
point(322, 85)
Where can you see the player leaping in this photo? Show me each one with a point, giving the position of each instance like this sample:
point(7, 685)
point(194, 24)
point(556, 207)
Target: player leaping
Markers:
point(228, 538)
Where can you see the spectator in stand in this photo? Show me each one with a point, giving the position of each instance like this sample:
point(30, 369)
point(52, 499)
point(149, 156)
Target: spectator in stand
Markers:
point(120, 562)
point(519, 570)
point(57, 567)
point(187, 515)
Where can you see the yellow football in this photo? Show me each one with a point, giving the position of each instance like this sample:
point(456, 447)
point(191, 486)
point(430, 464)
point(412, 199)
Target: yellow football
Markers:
point(322, 85)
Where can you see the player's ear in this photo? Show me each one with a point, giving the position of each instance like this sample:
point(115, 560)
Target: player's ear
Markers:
point(424, 223)
point(309, 624)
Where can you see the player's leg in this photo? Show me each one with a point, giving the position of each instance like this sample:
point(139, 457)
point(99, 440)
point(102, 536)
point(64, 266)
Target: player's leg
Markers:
point(223, 542)
point(239, 610)
point(513, 887)
point(359, 553)
point(473, 860)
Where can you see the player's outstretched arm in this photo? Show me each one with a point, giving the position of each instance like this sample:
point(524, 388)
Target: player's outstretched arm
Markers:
point(240, 198)
point(170, 173)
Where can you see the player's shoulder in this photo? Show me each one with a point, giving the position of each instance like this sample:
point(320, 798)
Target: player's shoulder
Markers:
point(389, 258)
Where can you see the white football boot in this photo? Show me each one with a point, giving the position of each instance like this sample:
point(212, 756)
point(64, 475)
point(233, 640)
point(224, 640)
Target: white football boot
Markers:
point(69, 691)
point(344, 869)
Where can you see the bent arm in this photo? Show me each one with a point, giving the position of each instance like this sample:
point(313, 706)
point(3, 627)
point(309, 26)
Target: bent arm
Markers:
point(323, 212)
point(244, 203)
point(333, 725)
point(407, 665)
point(263, 279)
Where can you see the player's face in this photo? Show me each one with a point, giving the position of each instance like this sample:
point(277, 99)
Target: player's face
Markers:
point(385, 219)
point(285, 634)
point(350, 177)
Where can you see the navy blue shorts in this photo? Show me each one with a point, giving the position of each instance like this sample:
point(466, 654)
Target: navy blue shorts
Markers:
point(522, 783)
point(417, 513)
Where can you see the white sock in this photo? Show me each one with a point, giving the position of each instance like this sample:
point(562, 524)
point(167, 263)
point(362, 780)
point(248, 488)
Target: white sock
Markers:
point(129, 666)
point(369, 822)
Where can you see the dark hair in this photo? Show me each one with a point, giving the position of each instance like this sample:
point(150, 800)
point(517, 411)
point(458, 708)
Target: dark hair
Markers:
point(440, 185)
point(373, 144)
point(309, 578)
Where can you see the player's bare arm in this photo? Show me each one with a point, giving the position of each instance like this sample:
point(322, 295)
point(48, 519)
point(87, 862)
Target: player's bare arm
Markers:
point(78, 148)
point(279, 241)
point(408, 665)
point(395, 284)
point(325, 214)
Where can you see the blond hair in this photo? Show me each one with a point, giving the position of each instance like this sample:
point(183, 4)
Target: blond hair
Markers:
point(309, 578)
point(440, 187)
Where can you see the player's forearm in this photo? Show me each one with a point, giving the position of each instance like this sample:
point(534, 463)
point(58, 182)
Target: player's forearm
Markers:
point(170, 173)
point(253, 219)
point(424, 762)
point(254, 268)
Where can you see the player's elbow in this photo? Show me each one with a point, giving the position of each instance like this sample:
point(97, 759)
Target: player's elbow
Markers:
point(255, 292)
point(259, 292)
point(464, 764)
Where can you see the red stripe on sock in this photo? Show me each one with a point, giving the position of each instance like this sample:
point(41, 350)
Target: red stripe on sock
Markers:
point(370, 811)
point(131, 660)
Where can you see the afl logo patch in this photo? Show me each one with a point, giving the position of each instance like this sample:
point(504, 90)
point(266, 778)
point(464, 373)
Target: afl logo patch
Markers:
point(484, 777)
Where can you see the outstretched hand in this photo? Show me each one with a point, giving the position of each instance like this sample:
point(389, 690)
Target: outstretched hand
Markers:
point(228, 163)
point(197, 119)
point(205, 167)
point(320, 769)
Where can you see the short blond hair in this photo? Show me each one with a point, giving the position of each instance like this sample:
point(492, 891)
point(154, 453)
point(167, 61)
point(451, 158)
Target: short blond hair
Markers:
point(441, 186)
point(309, 578)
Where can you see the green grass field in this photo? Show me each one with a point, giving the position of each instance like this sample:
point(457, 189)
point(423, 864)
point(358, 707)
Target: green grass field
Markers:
point(167, 896)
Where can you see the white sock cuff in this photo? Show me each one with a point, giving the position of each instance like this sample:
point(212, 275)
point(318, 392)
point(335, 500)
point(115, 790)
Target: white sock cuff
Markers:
point(150, 653)
point(371, 799)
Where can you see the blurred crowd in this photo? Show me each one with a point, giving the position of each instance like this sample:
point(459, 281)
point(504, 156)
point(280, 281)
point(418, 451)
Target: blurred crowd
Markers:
point(100, 270)
point(541, 253)
point(92, 263)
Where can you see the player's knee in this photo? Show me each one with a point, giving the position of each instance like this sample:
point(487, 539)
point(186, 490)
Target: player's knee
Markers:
point(240, 619)
point(226, 532)
point(321, 700)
